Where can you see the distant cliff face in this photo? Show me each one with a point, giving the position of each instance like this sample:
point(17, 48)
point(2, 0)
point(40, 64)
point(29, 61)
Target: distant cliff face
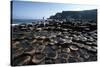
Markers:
point(87, 14)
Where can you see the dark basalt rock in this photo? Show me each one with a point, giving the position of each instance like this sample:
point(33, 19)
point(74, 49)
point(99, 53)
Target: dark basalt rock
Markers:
point(21, 60)
point(49, 60)
point(58, 41)
point(74, 48)
point(72, 60)
point(29, 51)
point(66, 50)
point(80, 45)
point(38, 58)
point(16, 53)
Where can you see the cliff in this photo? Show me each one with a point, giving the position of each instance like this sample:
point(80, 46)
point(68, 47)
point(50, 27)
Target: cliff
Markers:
point(84, 15)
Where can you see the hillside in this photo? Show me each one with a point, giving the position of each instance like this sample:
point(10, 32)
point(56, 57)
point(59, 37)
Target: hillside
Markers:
point(84, 15)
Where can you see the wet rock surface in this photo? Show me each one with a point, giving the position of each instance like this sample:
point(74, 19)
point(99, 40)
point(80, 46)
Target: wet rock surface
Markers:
point(53, 43)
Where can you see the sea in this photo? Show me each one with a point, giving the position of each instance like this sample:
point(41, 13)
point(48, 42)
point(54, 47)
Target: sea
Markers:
point(27, 21)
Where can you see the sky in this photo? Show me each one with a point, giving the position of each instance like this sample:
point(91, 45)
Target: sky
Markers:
point(38, 10)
